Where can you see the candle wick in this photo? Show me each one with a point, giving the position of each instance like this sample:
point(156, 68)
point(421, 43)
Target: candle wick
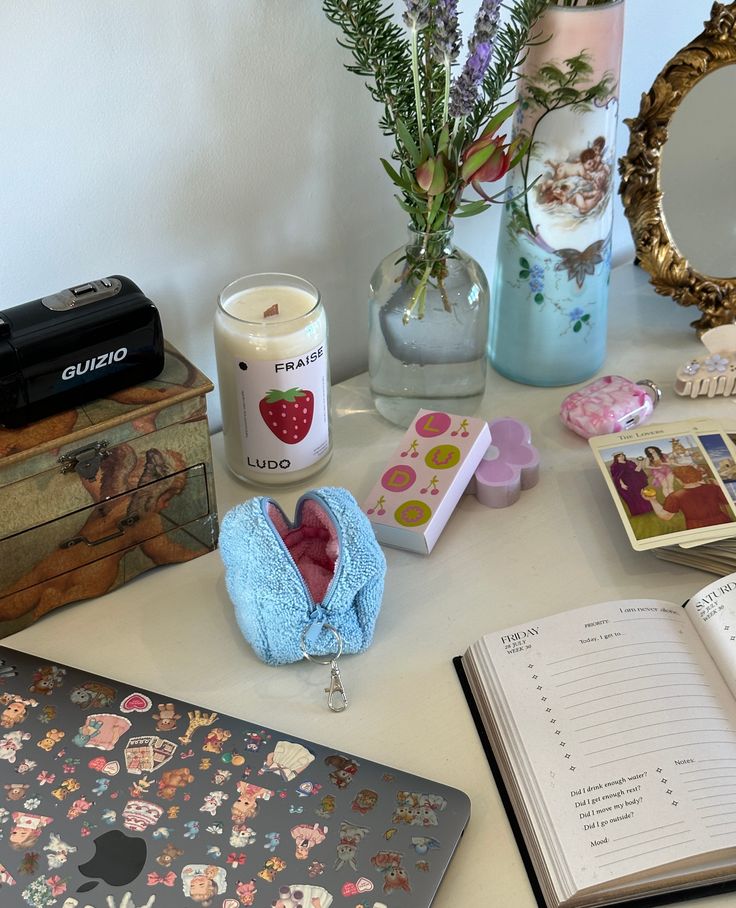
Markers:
point(272, 310)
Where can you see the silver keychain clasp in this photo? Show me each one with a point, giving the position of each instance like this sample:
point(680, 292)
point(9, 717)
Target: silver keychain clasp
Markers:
point(337, 699)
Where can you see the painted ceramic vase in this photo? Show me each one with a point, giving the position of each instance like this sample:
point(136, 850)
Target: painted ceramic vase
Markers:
point(548, 320)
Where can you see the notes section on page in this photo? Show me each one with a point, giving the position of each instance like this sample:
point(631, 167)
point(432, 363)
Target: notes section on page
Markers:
point(610, 711)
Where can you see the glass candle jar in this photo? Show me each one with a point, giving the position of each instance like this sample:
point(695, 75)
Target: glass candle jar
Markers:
point(274, 378)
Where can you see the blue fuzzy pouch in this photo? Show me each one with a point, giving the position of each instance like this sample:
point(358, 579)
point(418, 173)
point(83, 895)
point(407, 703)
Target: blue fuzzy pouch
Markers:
point(291, 582)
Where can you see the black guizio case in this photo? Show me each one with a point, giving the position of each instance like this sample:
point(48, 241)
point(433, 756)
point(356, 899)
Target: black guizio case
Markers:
point(66, 349)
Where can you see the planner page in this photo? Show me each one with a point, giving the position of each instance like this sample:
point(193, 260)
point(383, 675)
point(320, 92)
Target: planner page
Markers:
point(713, 613)
point(620, 737)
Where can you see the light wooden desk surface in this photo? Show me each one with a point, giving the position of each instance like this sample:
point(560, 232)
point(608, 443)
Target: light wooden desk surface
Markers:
point(172, 630)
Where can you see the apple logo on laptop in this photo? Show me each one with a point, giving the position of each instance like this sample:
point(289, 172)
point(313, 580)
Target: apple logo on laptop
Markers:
point(118, 859)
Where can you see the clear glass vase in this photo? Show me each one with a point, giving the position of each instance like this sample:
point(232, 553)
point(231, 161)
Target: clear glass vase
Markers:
point(428, 349)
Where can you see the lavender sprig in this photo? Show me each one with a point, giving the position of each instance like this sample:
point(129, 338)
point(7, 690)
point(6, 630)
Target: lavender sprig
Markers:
point(486, 24)
point(417, 17)
point(417, 14)
point(480, 49)
point(446, 43)
point(465, 87)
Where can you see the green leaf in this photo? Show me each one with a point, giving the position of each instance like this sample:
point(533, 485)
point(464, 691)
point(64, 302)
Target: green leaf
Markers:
point(409, 207)
point(291, 396)
point(427, 146)
point(395, 177)
point(580, 64)
point(408, 177)
point(432, 215)
point(524, 263)
point(524, 274)
point(577, 326)
point(551, 73)
point(439, 179)
point(522, 150)
point(443, 143)
point(407, 141)
point(493, 124)
point(539, 298)
point(585, 318)
point(469, 209)
point(539, 96)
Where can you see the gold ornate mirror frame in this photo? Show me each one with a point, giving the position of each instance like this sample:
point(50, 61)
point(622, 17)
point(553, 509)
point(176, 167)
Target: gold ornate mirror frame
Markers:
point(641, 192)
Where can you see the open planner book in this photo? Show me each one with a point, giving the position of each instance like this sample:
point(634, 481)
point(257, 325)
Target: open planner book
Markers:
point(613, 730)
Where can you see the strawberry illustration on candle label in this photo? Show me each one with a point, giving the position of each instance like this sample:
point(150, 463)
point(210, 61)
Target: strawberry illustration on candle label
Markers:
point(288, 414)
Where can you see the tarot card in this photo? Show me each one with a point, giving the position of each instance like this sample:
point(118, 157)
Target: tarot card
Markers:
point(672, 483)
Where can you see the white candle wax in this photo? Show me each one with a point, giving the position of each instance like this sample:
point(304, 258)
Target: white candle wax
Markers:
point(273, 375)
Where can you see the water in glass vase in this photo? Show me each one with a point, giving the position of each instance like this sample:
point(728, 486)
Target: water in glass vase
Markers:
point(427, 347)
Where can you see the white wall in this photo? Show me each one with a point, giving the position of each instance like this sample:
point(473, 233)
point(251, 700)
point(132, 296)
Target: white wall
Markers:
point(187, 142)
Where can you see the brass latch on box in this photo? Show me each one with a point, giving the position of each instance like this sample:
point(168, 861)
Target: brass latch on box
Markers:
point(86, 461)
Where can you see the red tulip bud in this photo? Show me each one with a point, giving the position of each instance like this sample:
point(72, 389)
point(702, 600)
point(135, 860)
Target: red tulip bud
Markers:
point(485, 160)
point(495, 167)
point(425, 172)
point(432, 176)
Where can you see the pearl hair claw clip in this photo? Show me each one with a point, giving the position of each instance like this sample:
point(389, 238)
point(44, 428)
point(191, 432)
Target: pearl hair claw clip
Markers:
point(713, 375)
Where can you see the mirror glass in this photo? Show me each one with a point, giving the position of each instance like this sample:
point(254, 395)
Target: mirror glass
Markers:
point(697, 173)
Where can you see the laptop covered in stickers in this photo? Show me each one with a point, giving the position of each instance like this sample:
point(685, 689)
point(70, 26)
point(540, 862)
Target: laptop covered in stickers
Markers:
point(117, 797)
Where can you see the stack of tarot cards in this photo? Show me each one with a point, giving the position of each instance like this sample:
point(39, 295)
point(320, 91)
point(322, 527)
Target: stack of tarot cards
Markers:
point(674, 486)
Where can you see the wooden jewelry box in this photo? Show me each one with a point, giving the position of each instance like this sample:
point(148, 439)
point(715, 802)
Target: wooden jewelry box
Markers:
point(92, 497)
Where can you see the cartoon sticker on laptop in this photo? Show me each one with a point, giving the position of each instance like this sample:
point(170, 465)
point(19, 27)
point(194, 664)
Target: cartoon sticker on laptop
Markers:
point(298, 895)
point(197, 719)
point(146, 753)
point(390, 863)
point(166, 717)
point(50, 739)
point(43, 891)
point(417, 809)
point(46, 679)
point(287, 760)
point(102, 730)
point(26, 829)
point(16, 709)
point(246, 805)
point(365, 800)
point(11, 743)
point(306, 837)
point(347, 849)
point(343, 769)
point(202, 882)
point(16, 791)
point(93, 695)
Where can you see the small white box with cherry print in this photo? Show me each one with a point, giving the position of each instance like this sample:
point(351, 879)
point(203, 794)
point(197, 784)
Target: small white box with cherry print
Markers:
point(425, 478)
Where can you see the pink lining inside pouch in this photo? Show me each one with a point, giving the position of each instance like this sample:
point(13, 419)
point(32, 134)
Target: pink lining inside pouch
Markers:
point(313, 545)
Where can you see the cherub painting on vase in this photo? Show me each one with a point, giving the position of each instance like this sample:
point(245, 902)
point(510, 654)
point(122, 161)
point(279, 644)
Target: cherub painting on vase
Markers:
point(578, 186)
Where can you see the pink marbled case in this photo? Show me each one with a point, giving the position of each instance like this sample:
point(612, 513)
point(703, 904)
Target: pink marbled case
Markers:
point(609, 404)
